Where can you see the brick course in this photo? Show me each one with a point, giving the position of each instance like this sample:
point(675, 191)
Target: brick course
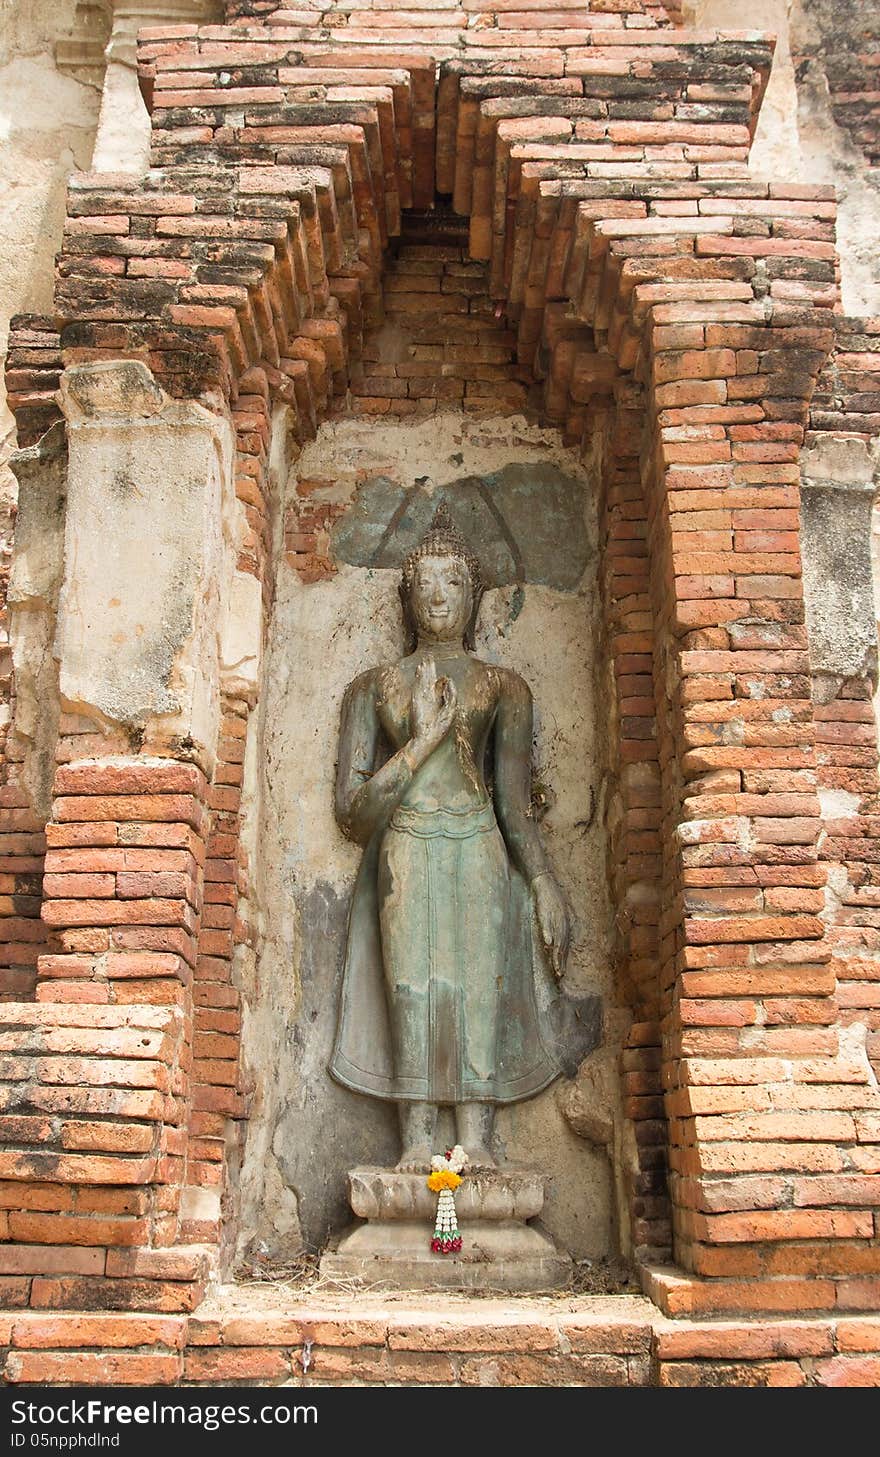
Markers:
point(616, 1341)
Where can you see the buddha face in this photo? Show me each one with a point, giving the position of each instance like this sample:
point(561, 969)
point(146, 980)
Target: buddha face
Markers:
point(442, 598)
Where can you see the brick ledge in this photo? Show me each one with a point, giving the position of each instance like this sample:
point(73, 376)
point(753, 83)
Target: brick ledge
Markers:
point(259, 1335)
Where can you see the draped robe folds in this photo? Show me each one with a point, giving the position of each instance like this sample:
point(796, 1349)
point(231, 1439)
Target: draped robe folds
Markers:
point(438, 998)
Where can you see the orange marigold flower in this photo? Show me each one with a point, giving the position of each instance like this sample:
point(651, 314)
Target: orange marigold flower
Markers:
point(443, 1179)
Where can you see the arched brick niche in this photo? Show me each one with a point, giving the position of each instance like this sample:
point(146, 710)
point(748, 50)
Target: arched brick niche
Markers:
point(670, 313)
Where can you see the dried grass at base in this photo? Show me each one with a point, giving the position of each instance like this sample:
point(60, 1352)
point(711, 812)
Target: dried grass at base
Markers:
point(301, 1276)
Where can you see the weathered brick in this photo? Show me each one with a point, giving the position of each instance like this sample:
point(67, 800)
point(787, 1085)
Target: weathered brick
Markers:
point(76, 1331)
point(91, 1368)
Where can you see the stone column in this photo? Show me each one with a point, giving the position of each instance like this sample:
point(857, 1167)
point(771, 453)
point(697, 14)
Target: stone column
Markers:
point(149, 559)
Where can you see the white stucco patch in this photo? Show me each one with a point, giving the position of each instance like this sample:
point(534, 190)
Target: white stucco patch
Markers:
point(838, 804)
point(146, 561)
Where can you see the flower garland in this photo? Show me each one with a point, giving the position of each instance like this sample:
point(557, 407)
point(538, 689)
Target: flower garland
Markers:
point(443, 1181)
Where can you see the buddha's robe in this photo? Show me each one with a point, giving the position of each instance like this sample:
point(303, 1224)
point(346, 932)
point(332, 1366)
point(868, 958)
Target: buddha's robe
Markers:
point(439, 999)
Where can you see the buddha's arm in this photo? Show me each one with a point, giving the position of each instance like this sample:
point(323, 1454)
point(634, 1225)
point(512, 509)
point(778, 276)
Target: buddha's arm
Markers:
point(366, 800)
point(513, 747)
point(513, 751)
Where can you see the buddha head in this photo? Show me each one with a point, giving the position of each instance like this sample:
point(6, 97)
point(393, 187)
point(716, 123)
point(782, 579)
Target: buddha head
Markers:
point(441, 587)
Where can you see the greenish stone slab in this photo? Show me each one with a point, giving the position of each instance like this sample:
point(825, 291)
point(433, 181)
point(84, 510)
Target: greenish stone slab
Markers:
point(525, 522)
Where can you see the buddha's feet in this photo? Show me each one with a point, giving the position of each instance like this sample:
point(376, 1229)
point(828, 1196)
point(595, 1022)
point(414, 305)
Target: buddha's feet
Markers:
point(415, 1160)
point(418, 1126)
point(479, 1160)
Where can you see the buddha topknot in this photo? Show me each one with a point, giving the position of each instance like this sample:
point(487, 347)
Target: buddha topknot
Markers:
point(444, 539)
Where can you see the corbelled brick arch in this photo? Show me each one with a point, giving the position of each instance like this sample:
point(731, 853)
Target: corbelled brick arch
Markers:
point(677, 314)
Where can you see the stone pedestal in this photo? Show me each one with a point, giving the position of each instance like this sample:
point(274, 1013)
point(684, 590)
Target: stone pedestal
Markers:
point(500, 1249)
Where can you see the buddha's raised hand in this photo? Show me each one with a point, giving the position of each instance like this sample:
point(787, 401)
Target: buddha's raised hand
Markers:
point(434, 702)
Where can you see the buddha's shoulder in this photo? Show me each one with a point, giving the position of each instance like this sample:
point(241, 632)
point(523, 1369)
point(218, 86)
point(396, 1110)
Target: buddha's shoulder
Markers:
point(511, 685)
point(366, 684)
point(501, 684)
point(377, 688)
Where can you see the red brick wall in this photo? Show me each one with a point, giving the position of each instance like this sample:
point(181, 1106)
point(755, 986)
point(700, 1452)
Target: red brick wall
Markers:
point(643, 279)
point(636, 858)
point(217, 1092)
point(262, 1341)
point(33, 365)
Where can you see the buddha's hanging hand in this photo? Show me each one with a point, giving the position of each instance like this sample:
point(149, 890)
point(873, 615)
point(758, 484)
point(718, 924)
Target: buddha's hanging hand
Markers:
point(443, 1180)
